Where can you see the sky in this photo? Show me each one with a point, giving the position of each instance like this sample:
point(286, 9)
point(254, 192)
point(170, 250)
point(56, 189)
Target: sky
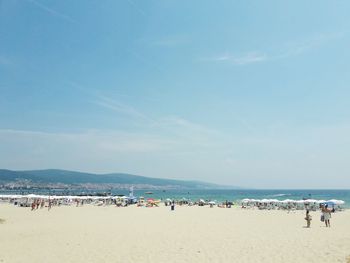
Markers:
point(246, 93)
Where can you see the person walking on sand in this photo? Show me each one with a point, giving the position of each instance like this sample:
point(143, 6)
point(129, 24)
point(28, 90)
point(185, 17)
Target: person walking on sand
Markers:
point(326, 213)
point(308, 218)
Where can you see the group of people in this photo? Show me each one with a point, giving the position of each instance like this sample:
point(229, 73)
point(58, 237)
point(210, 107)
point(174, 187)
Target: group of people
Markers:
point(38, 203)
point(41, 203)
point(325, 216)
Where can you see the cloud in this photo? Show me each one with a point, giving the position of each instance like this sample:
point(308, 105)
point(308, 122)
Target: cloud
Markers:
point(248, 58)
point(184, 127)
point(91, 142)
point(287, 50)
point(121, 108)
point(183, 131)
point(296, 48)
point(174, 125)
point(236, 159)
point(52, 11)
point(93, 150)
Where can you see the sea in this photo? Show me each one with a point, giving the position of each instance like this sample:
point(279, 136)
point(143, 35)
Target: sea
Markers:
point(218, 195)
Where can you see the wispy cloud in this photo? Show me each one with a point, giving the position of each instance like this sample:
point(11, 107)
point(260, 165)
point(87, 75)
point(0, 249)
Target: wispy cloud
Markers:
point(88, 150)
point(248, 58)
point(52, 11)
point(174, 124)
point(295, 48)
point(183, 126)
point(121, 108)
point(243, 59)
point(175, 127)
point(289, 49)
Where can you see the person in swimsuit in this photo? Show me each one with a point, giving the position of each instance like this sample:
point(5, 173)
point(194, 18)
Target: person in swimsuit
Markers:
point(326, 213)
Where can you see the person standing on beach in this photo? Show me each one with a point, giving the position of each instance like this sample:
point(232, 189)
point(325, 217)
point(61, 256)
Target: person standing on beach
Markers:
point(173, 205)
point(326, 213)
point(308, 218)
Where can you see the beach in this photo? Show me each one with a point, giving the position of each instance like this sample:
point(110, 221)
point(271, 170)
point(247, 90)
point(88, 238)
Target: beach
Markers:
point(156, 234)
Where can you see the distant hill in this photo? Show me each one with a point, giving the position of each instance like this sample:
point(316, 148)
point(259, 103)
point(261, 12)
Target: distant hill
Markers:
point(52, 176)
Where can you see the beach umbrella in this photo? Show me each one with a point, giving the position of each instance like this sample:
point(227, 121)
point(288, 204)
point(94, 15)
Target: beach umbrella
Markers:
point(329, 203)
point(288, 201)
point(336, 202)
point(212, 203)
point(15, 196)
point(310, 201)
point(31, 196)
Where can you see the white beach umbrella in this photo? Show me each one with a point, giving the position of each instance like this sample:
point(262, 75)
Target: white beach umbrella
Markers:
point(310, 201)
point(15, 196)
point(31, 196)
point(337, 202)
point(288, 201)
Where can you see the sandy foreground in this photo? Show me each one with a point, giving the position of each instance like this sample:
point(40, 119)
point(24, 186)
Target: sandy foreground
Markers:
point(188, 234)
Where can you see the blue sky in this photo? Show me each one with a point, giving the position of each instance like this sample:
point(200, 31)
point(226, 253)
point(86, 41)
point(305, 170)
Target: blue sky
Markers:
point(247, 93)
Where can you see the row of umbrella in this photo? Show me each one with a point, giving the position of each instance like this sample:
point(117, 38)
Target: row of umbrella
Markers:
point(266, 201)
point(287, 201)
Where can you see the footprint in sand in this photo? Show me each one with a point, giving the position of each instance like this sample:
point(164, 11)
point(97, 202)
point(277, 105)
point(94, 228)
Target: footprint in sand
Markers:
point(2, 221)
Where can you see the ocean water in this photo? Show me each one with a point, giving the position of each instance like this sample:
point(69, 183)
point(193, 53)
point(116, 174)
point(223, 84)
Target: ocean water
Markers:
point(218, 195)
point(236, 195)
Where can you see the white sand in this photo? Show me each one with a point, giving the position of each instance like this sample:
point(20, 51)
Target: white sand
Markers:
point(189, 234)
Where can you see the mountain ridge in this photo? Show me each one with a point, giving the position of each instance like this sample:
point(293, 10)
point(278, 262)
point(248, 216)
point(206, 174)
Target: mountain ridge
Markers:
point(54, 176)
